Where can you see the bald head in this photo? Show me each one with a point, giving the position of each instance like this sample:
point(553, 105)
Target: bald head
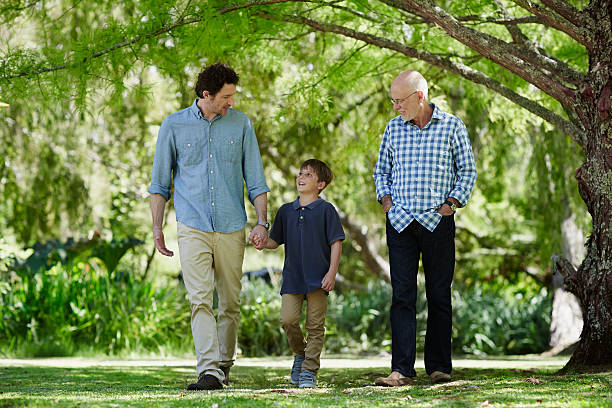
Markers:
point(409, 81)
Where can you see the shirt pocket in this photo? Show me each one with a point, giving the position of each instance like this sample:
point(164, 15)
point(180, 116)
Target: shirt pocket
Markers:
point(189, 153)
point(231, 150)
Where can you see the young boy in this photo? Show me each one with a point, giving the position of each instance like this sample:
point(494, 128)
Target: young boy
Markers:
point(312, 233)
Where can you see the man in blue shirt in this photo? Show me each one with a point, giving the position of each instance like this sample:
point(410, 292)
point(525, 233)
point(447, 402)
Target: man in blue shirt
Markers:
point(425, 171)
point(211, 152)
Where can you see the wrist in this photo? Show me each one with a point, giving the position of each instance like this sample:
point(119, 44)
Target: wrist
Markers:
point(453, 206)
point(264, 224)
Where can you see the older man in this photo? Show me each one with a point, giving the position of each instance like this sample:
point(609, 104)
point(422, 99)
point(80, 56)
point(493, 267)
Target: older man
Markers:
point(425, 171)
point(210, 151)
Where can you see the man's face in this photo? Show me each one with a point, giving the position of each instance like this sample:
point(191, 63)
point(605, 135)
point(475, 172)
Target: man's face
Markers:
point(405, 101)
point(222, 101)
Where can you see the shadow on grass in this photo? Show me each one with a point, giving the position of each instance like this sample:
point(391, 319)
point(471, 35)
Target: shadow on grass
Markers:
point(264, 386)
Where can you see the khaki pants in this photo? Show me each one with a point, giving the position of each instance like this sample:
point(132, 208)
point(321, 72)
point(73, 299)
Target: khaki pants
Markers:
point(209, 259)
point(291, 311)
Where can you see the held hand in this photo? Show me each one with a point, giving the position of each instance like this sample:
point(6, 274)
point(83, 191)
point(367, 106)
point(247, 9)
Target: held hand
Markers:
point(160, 243)
point(445, 210)
point(258, 237)
point(387, 203)
point(253, 238)
point(329, 281)
point(257, 242)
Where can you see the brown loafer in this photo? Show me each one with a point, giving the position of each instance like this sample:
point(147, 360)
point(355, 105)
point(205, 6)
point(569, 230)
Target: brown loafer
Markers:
point(394, 379)
point(439, 377)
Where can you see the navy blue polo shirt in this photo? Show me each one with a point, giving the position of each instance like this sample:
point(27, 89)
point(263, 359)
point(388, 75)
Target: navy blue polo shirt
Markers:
point(307, 232)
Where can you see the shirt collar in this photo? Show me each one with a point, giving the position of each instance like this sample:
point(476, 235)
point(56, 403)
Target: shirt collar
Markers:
point(314, 204)
point(198, 113)
point(438, 114)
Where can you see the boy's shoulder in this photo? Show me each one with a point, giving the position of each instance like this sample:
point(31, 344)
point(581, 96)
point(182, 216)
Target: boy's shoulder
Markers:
point(328, 206)
point(288, 205)
point(285, 207)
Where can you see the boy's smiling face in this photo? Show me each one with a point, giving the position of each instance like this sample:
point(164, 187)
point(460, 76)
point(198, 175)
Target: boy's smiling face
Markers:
point(308, 182)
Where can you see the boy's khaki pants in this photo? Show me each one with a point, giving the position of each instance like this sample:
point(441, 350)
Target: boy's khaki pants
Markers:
point(291, 311)
point(209, 258)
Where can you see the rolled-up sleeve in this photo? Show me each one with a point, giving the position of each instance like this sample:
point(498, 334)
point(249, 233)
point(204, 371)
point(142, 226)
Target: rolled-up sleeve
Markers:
point(164, 162)
point(464, 164)
point(252, 165)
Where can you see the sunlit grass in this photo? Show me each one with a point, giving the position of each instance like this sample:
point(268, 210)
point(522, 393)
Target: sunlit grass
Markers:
point(261, 386)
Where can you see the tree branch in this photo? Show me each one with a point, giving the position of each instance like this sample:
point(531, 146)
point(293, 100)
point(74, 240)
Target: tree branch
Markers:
point(532, 67)
point(519, 37)
point(369, 252)
point(566, 269)
point(433, 59)
point(516, 33)
point(258, 3)
point(566, 10)
point(571, 26)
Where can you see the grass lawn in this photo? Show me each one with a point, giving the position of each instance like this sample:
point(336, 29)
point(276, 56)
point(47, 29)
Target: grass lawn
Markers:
point(343, 382)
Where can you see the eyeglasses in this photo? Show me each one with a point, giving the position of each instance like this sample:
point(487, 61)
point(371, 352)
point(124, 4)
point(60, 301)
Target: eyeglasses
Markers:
point(400, 101)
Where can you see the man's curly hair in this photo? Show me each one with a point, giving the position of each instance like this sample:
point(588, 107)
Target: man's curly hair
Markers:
point(214, 77)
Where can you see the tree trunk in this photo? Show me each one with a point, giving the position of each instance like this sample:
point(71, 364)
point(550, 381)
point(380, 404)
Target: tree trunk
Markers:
point(592, 281)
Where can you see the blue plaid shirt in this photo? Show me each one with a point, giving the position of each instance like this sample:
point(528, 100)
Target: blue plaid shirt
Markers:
point(421, 168)
point(210, 162)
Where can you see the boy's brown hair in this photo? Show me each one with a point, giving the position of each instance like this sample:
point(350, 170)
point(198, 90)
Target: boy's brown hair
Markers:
point(321, 169)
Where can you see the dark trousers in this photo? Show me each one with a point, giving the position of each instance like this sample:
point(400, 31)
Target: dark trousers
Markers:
point(438, 250)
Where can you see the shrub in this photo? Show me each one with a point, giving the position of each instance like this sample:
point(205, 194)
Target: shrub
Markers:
point(65, 308)
point(501, 323)
point(71, 307)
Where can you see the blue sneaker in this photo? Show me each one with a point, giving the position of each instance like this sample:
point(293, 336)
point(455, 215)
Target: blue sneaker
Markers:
point(297, 368)
point(307, 379)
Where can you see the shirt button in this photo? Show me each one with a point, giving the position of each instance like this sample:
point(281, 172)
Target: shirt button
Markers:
point(210, 155)
point(210, 140)
point(212, 187)
point(188, 144)
point(213, 204)
point(212, 171)
point(301, 217)
point(231, 141)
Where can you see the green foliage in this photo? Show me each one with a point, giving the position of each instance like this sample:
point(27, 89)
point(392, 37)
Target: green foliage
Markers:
point(359, 322)
point(508, 321)
point(70, 308)
point(259, 332)
point(501, 323)
point(51, 253)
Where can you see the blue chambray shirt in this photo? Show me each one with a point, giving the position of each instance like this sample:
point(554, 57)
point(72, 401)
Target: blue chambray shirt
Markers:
point(421, 168)
point(308, 231)
point(210, 161)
